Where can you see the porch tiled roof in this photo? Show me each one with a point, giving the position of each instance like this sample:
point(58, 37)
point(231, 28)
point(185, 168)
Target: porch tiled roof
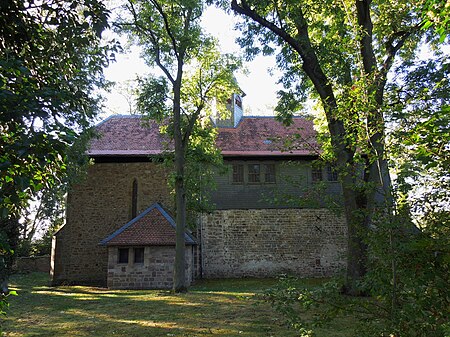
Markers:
point(253, 136)
point(153, 227)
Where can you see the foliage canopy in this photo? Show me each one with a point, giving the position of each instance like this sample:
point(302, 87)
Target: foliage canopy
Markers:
point(51, 66)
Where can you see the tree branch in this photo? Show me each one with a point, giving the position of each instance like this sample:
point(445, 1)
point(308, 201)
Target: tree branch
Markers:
point(366, 26)
point(311, 66)
point(191, 124)
point(167, 26)
point(302, 45)
point(154, 40)
point(186, 27)
point(392, 50)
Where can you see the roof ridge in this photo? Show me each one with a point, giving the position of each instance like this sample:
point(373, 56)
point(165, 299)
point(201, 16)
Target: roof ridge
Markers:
point(242, 118)
point(117, 116)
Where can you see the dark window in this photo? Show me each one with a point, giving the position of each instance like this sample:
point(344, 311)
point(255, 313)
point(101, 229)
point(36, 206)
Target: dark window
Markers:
point(238, 101)
point(254, 171)
point(138, 255)
point(317, 174)
point(331, 173)
point(123, 255)
point(134, 197)
point(238, 173)
point(269, 174)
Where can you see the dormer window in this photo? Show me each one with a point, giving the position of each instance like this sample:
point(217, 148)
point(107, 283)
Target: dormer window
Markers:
point(238, 101)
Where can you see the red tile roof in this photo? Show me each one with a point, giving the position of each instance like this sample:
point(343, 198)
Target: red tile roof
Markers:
point(264, 136)
point(253, 136)
point(127, 136)
point(153, 227)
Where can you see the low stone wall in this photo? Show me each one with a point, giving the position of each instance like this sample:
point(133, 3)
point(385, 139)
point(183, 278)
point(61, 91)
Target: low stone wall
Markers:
point(156, 272)
point(268, 242)
point(31, 264)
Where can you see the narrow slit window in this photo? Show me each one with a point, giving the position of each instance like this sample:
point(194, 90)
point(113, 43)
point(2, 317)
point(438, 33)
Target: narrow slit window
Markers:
point(134, 198)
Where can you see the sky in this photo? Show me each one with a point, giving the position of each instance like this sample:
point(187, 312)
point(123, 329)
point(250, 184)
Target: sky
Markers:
point(258, 84)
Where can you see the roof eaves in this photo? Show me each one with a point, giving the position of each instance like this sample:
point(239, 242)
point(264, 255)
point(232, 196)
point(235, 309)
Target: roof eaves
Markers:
point(268, 116)
point(268, 153)
point(125, 153)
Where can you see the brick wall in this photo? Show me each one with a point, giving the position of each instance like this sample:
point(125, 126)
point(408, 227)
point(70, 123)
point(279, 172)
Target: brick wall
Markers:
point(96, 208)
point(267, 242)
point(156, 272)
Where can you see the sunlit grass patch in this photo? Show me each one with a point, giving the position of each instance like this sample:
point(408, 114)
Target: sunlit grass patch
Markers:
point(212, 307)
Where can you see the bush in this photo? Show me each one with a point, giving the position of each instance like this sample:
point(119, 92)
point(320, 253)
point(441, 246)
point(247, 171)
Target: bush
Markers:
point(407, 283)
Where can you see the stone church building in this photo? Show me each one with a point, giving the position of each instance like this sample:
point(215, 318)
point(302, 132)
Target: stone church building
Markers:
point(271, 209)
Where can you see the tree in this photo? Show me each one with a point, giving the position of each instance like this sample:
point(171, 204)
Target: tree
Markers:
point(437, 14)
point(194, 73)
point(408, 269)
point(127, 89)
point(50, 67)
point(43, 216)
point(340, 53)
point(420, 135)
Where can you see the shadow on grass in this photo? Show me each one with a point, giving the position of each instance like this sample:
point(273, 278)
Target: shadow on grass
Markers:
point(224, 307)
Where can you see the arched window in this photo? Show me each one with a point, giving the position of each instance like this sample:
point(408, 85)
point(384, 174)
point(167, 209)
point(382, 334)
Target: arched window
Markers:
point(134, 198)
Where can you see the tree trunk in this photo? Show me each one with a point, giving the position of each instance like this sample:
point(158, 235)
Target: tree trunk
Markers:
point(179, 276)
point(356, 227)
point(179, 280)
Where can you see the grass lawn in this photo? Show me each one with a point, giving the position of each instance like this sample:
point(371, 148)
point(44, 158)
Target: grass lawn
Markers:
point(212, 307)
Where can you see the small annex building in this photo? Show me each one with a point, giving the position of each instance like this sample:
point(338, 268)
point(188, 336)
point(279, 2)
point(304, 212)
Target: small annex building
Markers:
point(141, 253)
point(273, 208)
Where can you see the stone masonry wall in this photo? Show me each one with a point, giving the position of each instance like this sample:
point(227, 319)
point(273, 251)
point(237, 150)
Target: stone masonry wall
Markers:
point(31, 264)
point(268, 242)
point(155, 273)
point(96, 208)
